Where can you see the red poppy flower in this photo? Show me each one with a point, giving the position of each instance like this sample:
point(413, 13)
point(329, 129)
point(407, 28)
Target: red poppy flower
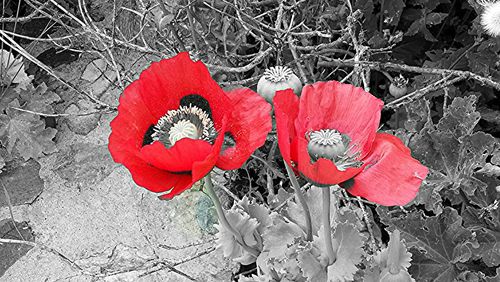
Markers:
point(171, 124)
point(330, 136)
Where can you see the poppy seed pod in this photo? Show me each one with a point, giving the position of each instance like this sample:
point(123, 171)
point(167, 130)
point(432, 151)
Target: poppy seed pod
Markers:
point(398, 86)
point(275, 79)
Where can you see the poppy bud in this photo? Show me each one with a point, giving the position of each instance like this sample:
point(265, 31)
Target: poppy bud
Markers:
point(275, 79)
point(398, 86)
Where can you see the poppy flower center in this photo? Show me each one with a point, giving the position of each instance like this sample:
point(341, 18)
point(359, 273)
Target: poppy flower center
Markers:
point(333, 145)
point(278, 74)
point(185, 122)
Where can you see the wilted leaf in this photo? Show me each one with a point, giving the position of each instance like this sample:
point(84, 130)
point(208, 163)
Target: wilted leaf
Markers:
point(22, 181)
point(12, 70)
point(10, 253)
point(25, 133)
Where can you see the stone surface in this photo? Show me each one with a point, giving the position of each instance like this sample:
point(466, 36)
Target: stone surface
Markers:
point(93, 223)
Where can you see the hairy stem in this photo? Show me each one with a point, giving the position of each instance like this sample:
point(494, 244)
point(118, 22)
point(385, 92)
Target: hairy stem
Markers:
point(327, 229)
point(302, 201)
point(209, 188)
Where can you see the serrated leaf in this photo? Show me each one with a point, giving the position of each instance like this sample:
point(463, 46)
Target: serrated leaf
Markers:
point(348, 252)
point(453, 153)
point(260, 212)
point(312, 268)
point(280, 235)
point(256, 278)
point(313, 196)
point(26, 133)
point(279, 254)
point(434, 242)
point(38, 99)
point(245, 226)
point(403, 257)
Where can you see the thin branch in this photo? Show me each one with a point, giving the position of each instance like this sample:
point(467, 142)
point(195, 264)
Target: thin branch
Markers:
point(379, 66)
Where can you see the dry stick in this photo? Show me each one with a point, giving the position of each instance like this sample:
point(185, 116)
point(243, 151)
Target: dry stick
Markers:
point(293, 50)
point(444, 82)
point(45, 248)
point(222, 217)
point(368, 225)
point(257, 60)
point(26, 18)
point(302, 201)
point(60, 115)
point(327, 229)
point(402, 67)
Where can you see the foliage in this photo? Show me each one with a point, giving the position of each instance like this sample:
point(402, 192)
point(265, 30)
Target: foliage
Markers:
point(448, 118)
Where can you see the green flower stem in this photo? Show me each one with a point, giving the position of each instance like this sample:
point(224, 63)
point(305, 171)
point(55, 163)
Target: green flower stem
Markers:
point(209, 188)
point(327, 229)
point(302, 201)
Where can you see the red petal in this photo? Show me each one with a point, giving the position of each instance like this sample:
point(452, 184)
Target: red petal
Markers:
point(249, 124)
point(323, 171)
point(165, 83)
point(348, 109)
point(391, 177)
point(286, 109)
point(131, 123)
point(201, 168)
point(147, 176)
point(178, 158)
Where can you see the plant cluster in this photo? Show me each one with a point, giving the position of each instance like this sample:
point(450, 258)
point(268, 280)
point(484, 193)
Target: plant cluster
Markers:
point(433, 63)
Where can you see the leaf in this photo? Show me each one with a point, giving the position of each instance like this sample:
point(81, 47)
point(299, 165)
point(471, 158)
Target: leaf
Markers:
point(245, 226)
point(280, 235)
point(453, 153)
point(434, 242)
point(313, 197)
point(392, 11)
point(260, 212)
point(349, 251)
point(280, 244)
point(312, 268)
point(12, 70)
point(25, 133)
point(22, 182)
point(420, 25)
point(403, 257)
point(38, 99)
